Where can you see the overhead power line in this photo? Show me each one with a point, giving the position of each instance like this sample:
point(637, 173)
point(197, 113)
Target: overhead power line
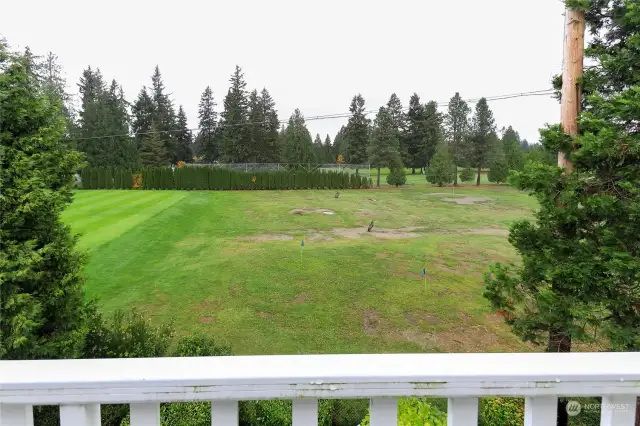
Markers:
point(546, 92)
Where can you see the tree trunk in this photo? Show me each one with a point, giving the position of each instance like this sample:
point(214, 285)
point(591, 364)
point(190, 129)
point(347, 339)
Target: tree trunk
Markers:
point(413, 170)
point(478, 177)
point(560, 341)
point(455, 175)
point(378, 181)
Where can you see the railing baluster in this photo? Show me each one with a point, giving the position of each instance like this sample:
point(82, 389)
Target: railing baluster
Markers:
point(618, 410)
point(224, 413)
point(305, 412)
point(384, 411)
point(145, 414)
point(16, 415)
point(462, 412)
point(79, 415)
point(540, 411)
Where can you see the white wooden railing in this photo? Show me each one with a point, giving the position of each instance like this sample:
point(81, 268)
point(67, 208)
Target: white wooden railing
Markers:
point(80, 386)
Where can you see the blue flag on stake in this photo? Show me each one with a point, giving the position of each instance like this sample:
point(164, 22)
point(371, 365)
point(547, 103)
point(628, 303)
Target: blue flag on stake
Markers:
point(423, 272)
point(302, 243)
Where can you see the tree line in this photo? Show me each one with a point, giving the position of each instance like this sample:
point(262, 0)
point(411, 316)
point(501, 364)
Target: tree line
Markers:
point(150, 131)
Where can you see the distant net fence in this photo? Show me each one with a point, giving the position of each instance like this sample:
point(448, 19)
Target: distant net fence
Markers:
point(362, 169)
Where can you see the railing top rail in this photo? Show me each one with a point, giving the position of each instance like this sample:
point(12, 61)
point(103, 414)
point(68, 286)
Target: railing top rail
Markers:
point(290, 376)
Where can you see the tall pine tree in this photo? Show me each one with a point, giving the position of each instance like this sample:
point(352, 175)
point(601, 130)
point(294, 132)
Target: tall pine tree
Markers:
point(384, 149)
point(399, 117)
point(164, 117)
point(482, 134)
point(184, 138)
point(432, 129)
point(511, 145)
point(298, 147)
point(143, 113)
point(318, 149)
point(415, 135)
point(357, 132)
point(208, 133)
point(153, 151)
point(327, 150)
point(235, 136)
point(456, 130)
point(269, 148)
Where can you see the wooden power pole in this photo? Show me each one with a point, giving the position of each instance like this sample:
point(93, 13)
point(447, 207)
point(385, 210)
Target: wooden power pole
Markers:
point(572, 69)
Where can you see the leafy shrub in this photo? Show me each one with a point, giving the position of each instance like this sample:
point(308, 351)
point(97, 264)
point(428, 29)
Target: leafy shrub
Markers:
point(467, 175)
point(416, 412)
point(440, 171)
point(397, 177)
point(501, 412)
point(278, 413)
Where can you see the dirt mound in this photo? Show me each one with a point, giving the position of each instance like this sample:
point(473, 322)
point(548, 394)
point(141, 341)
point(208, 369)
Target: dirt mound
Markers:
point(310, 211)
point(390, 234)
point(468, 200)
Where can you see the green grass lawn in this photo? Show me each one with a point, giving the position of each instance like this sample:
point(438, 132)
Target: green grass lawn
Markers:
point(229, 264)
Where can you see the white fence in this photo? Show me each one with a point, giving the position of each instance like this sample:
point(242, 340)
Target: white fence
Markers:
point(79, 386)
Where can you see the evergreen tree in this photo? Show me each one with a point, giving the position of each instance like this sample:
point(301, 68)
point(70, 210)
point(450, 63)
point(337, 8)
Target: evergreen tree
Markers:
point(340, 144)
point(415, 134)
point(184, 138)
point(440, 171)
point(512, 149)
point(394, 106)
point(164, 117)
point(143, 113)
point(318, 149)
point(482, 134)
point(269, 150)
point(122, 151)
point(298, 147)
point(456, 129)
point(384, 147)
point(467, 175)
point(357, 132)
point(93, 118)
point(207, 140)
point(153, 151)
point(432, 129)
point(581, 253)
point(327, 150)
point(235, 138)
point(254, 129)
point(498, 165)
point(43, 312)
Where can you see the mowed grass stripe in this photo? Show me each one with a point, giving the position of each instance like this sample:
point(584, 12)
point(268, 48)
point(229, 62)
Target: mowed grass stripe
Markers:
point(99, 236)
point(83, 197)
point(116, 212)
point(100, 204)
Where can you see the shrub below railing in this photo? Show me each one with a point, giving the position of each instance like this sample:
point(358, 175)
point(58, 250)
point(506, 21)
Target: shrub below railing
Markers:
point(216, 178)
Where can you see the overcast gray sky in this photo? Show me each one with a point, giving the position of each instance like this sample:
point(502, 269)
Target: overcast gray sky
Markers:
point(310, 55)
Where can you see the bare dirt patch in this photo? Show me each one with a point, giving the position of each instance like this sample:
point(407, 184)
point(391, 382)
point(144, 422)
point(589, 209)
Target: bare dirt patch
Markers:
point(248, 211)
point(316, 236)
point(266, 237)
point(467, 200)
point(265, 315)
point(366, 213)
point(300, 299)
point(381, 255)
point(391, 234)
point(415, 318)
point(311, 211)
point(207, 320)
point(371, 321)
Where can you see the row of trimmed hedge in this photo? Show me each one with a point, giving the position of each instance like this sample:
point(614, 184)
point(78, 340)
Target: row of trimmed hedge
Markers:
point(216, 178)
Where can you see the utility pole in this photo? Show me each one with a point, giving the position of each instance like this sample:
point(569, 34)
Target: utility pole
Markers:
point(572, 69)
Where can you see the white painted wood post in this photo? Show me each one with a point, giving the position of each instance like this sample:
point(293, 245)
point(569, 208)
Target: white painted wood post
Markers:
point(305, 412)
point(93, 414)
point(76, 415)
point(540, 411)
point(224, 413)
point(147, 414)
point(462, 412)
point(16, 415)
point(618, 410)
point(384, 411)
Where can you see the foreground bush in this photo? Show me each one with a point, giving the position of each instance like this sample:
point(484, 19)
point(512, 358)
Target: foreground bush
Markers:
point(397, 177)
point(501, 412)
point(416, 412)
